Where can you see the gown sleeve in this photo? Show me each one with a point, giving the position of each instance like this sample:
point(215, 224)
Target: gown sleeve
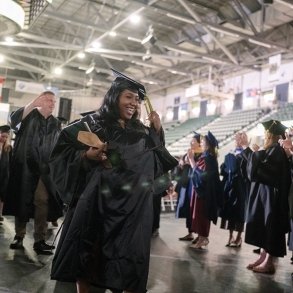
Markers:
point(68, 166)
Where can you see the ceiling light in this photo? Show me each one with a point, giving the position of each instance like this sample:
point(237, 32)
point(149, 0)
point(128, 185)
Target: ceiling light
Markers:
point(134, 39)
point(149, 81)
point(112, 34)
point(1, 58)
point(177, 72)
point(58, 71)
point(219, 30)
point(96, 45)
point(256, 42)
point(184, 19)
point(81, 55)
point(134, 18)
point(112, 57)
point(9, 39)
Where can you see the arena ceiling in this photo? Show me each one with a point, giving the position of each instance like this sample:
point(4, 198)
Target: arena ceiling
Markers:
point(175, 43)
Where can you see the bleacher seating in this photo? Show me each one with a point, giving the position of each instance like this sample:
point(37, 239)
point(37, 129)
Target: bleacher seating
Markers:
point(185, 128)
point(283, 113)
point(222, 127)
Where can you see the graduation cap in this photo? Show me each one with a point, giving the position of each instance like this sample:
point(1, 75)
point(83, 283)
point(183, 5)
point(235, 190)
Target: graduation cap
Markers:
point(275, 127)
point(211, 139)
point(87, 113)
point(138, 86)
point(62, 119)
point(5, 128)
point(196, 135)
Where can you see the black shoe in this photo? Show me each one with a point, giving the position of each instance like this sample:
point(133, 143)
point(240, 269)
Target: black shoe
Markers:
point(42, 246)
point(257, 251)
point(17, 243)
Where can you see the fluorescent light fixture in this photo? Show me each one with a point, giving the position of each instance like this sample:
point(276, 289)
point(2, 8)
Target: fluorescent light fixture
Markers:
point(1, 58)
point(9, 39)
point(149, 81)
point(178, 17)
point(96, 45)
point(134, 18)
point(58, 71)
point(219, 30)
point(177, 72)
point(134, 39)
point(81, 55)
point(112, 57)
point(256, 42)
point(112, 34)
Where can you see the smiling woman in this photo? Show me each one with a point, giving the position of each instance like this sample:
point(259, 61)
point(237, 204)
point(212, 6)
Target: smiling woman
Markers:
point(106, 236)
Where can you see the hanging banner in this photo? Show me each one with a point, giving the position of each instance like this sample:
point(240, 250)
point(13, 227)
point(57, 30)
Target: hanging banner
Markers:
point(274, 69)
point(33, 87)
point(2, 80)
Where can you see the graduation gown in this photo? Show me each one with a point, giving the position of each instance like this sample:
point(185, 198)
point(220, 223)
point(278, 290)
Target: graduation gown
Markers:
point(267, 212)
point(5, 158)
point(206, 184)
point(235, 188)
point(35, 137)
point(107, 230)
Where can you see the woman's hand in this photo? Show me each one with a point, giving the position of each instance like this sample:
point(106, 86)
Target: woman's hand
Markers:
point(155, 120)
point(96, 154)
point(190, 155)
point(287, 145)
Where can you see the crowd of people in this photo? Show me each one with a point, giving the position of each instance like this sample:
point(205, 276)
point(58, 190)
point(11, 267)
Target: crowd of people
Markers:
point(253, 194)
point(111, 171)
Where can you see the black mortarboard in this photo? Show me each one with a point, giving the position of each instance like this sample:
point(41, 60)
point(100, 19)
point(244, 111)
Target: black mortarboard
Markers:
point(196, 135)
point(139, 87)
point(62, 119)
point(87, 113)
point(4, 128)
point(211, 139)
point(275, 127)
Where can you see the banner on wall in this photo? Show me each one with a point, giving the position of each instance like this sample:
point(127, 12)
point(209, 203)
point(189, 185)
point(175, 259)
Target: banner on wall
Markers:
point(274, 67)
point(2, 80)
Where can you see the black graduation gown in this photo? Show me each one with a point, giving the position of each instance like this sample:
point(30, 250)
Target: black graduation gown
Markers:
point(235, 188)
point(267, 212)
point(107, 230)
point(4, 171)
point(34, 140)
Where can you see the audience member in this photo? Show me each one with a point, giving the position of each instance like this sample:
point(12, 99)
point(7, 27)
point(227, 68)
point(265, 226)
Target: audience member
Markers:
point(5, 157)
point(207, 190)
point(267, 215)
point(30, 193)
point(236, 188)
point(184, 186)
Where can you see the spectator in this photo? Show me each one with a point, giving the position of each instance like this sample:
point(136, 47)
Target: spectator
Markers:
point(267, 214)
point(5, 157)
point(30, 193)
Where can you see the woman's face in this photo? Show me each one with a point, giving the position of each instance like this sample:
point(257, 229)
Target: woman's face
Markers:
point(204, 144)
point(194, 144)
point(128, 104)
point(3, 137)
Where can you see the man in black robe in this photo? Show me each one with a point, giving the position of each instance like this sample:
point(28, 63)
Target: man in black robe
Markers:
point(5, 156)
point(30, 195)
